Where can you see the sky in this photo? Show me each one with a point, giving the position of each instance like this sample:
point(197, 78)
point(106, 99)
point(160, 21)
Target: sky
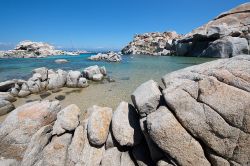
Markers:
point(101, 24)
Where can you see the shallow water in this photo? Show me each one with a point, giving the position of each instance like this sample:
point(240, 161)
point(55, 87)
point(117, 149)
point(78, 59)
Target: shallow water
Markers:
point(128, 75)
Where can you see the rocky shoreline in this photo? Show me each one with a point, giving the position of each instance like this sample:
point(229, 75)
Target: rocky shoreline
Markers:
point(225, 36)
point(200, 117)
point(44, 79)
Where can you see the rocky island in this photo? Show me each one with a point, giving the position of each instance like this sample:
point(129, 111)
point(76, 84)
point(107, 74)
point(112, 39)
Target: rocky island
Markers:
point(225, 36)
point(29, 49)
point(154, 43)
point(110, 57)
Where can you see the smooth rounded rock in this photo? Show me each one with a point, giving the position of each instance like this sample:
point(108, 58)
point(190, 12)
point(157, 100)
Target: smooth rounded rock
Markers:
point(98, 124)
point(126, 126)
point(146, 97)
point(67, 119)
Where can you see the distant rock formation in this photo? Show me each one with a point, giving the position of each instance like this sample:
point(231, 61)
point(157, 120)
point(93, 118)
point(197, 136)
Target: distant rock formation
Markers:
point(155, 43)
point(110, 57)
point(225, 36)
point(29, 49)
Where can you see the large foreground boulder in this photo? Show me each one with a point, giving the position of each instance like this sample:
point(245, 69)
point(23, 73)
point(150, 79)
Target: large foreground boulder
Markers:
point(98, 124)
point(126, 125)
point(19, 126)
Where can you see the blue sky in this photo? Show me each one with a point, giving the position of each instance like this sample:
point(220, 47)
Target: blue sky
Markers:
point(101, 24)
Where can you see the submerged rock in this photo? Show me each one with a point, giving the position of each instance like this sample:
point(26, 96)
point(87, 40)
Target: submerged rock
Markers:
point(61, 61)
point(60, 97)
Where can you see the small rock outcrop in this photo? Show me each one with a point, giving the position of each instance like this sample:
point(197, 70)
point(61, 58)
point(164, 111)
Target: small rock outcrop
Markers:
point(110, 57)
point(152, 44)
point(29, 49)
point(225, 36)
point(94, 73)
point(44, 79)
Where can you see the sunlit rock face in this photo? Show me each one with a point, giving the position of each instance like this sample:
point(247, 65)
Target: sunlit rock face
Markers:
point(225, 36)
point(155, 43)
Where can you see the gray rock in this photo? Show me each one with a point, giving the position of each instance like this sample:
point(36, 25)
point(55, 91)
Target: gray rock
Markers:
point(72, 78)
point(98, 124)
point(9, 162)
point(14, 92)
point(154, 43)
point(19, 126)
point(163, 163)
point(91, 156)
point(43, 71)
point(7, 96)
point(37, 143)
point(23, 93)
point(55, 153)
point(61, 61)
point(57, 80)
point(82, 83)
point(90, 71)
point(162, 127)
point(126, 126)
point(103, 70)
point(110, 142)
point(110, 57)
point(97, 77)
point(211, 102)
point(67, 119)
point(29, 49)
point(227, 47)
point(5, 107)
point(218, 161)
point(34, 86)
point(76, 147)
point(126, 159)
point(146, 97)
point(224, 36)
point(155, 152)
point(6, 85)
point(111, 157)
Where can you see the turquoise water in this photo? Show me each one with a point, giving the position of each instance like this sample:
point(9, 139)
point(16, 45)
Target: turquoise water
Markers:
point(139, 68)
